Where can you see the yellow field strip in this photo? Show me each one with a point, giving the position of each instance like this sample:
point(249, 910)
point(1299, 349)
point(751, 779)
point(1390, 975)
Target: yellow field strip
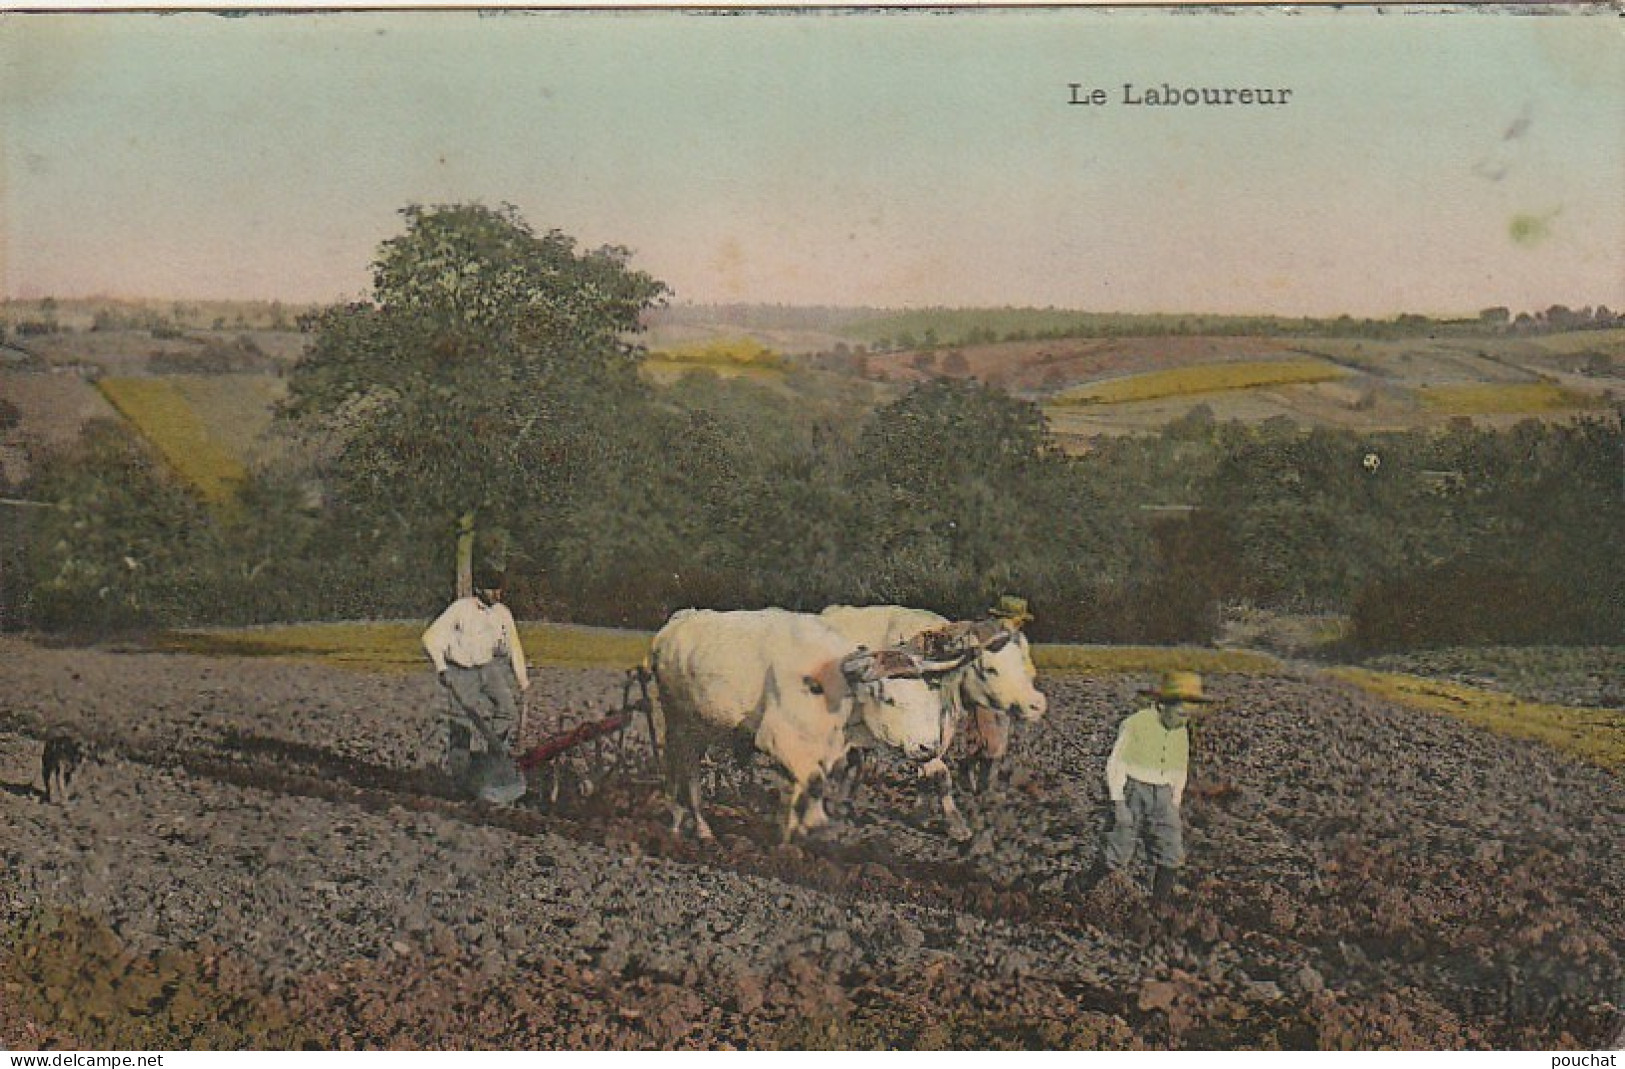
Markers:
point(166, 419)
point(725, 353)
point(1593, 735)
point(1200, 379)
point(1487, 398)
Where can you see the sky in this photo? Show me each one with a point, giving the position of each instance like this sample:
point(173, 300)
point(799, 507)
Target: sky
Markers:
point(1438, 161)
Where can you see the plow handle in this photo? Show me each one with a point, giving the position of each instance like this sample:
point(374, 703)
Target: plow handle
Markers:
point(524, 715)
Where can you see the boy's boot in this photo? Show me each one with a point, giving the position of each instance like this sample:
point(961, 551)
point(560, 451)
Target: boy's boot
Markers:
point(1162, 885)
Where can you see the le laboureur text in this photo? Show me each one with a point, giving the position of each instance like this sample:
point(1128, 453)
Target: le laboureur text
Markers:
point(1168, 95)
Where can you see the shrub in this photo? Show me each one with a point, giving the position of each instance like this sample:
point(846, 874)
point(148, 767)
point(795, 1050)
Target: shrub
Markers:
point(1460, 604)
point(120, 548)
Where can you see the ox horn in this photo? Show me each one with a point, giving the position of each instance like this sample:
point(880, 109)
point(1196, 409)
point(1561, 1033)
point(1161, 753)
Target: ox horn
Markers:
point(867, 666)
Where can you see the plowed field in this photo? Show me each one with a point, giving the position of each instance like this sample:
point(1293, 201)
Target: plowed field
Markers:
point(259, 857)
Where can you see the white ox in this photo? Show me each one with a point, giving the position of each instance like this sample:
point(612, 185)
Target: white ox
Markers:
point(985, 690)
point(790, 684)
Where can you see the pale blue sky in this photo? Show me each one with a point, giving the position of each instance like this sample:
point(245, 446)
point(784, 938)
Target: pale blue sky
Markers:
point(1428, 162)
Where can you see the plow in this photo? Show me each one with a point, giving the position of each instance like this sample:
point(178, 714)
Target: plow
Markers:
point(578, 752)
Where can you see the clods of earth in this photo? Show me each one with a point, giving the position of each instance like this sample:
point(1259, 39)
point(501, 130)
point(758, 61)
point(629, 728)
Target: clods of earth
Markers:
point(260, 853)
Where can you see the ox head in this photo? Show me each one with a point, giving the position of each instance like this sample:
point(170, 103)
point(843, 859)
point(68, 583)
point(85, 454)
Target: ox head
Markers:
point(894, 701)
point(999, 672)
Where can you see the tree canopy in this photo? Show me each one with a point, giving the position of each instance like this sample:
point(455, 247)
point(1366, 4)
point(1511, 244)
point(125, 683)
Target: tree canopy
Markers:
point(465, 380)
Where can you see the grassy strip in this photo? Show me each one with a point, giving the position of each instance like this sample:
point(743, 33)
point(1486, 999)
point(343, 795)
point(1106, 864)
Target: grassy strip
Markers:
point(1118, 659)
point(164, 417)
point(725, 352)
point(1593, 735)
point(396, 646)
point(1489, 398)
point(1200, 379)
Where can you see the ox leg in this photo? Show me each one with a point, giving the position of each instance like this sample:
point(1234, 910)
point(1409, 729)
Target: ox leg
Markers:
point(991, 738)
point(936, 773)
point(677, 790)
point(792, 813)
point(683, 758)
point(813, 814)
point(980, 772)
point(847, 780)
point(702, 830)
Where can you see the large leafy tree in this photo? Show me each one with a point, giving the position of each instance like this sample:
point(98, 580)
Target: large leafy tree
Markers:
point(945, 477)
point(458, 393)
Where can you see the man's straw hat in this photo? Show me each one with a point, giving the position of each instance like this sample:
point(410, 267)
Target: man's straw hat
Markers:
point(1011, 608)
point(1179, 687)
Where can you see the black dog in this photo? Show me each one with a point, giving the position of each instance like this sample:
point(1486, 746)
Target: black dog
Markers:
point(62, 758)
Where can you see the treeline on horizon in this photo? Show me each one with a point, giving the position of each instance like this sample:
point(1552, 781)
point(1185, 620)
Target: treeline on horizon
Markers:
point(442, 405)
point(884, 329)
point(878, 328)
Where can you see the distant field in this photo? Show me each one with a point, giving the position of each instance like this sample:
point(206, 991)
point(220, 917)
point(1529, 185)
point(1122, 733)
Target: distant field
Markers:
point(669, 371)
point(721, 352)
point(1484, 399)
point(790, 341)
point(235, 409)
point(54, 407)
point(1200, 379)
point(159, 409)
point(1579, 341)
point(729, 357)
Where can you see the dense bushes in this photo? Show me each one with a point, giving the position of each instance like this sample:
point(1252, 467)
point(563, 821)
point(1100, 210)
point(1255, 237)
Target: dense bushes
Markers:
point(731, 495)
point(1522, 536)
point(1458, 604)
point(123, 544)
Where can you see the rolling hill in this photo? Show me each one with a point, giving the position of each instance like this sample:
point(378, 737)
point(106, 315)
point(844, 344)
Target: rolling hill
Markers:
point(1388, 376)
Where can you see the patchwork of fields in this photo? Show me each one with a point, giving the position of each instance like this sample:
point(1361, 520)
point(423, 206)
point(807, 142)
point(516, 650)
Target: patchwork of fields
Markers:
point(212, 427)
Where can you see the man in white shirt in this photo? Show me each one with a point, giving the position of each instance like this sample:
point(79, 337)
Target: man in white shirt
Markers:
point(475, 649)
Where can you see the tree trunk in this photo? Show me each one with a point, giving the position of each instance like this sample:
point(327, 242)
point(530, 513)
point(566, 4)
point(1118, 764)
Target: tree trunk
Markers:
point(465, 554)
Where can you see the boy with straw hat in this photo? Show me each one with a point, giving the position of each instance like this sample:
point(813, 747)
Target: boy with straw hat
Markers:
point(1145, 777)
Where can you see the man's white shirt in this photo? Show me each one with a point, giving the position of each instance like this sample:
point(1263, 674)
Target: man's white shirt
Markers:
point(470, 633)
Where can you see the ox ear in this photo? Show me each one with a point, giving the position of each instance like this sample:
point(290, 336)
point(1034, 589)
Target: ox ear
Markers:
point(990, 635)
